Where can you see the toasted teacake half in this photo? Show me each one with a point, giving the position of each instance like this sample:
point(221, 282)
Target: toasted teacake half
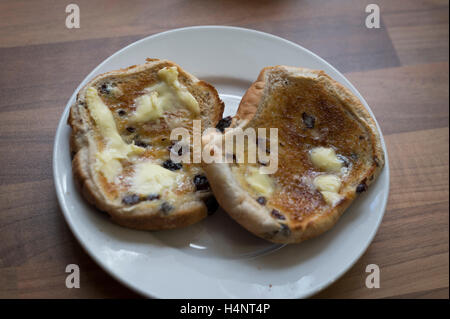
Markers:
point(329, 151)
point(121, 124)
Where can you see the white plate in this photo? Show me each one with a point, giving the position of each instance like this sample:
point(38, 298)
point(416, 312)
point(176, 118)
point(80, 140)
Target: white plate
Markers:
point(216, 258)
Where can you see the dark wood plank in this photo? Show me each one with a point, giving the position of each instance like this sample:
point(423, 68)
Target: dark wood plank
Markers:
point(428, 294)
point(411, 246)
point(419, 36)
point(37, 246)
point(406, 98)
point(309, 23)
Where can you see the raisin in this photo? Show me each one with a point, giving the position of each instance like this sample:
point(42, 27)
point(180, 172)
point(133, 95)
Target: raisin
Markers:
point(105, 88)
point(131, 129)
point(131, 199)
point(140, 143)
point(211, 204)
point(361, 187)
point(171, 166)
point(277, 214)
point(153, 197)
point(285, 230)
point(261, 200)
point(375, 159)
point(166, 207)
point(344, 160)
point(224, 123)
point(201, 182)
point(308, 120)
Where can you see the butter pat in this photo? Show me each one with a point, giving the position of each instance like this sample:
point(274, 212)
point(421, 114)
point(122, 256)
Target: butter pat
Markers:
point(150, 178)
point(328, 185)
point(331, 198)
point(325, 158)
point(107, 161)
point(261, 183)
point(116, 91)
point(148, 108)
point(108, 165)
point(170, 76)
point(166, 95)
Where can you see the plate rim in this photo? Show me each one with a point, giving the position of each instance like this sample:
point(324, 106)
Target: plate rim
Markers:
point(62, 122)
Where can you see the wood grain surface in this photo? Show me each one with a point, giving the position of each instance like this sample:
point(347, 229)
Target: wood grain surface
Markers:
point(401, 69)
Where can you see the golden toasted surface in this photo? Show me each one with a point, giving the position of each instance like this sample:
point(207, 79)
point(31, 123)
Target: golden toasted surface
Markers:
point(329, 150)
point(307, 117)
point(121, 125)
point(120, 94)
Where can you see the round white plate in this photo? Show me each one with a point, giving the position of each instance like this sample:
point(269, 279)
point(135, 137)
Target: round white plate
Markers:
point(216, 258)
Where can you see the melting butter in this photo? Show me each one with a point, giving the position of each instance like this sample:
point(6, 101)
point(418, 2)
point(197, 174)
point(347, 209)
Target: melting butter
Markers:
point(325, 158)
point(331, 198)
point(150, 178)
point(330, 183)
point(108, 160)
point(149, 107)
point(329, 186)
point(166, 95)
point(261, 183)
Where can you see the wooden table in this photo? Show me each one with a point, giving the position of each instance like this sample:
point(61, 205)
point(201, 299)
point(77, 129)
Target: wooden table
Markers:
point(401, 69)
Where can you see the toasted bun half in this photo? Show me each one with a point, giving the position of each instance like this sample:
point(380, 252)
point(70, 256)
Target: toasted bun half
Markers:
point(329, 151)
point(120, 141)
